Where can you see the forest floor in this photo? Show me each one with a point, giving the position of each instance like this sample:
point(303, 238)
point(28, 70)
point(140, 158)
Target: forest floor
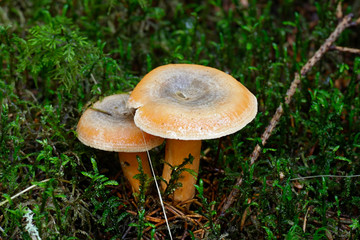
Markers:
point(292, 173)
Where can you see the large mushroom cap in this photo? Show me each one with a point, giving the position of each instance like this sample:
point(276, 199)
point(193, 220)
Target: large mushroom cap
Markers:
point(108, 125)
point(191, 102)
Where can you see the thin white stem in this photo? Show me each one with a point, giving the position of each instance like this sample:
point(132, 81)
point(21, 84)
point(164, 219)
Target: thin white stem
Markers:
point(93, 78)
point(159, 193)
point(158, 189)
point(22, 192)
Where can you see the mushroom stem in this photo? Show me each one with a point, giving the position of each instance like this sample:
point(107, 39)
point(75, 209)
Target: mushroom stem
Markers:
point(175, 153)
point(130, 167)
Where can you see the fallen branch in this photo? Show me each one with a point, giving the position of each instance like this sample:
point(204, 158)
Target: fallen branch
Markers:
point(346, 22)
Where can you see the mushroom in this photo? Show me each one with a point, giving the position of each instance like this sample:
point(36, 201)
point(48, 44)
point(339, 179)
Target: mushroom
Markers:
point(108, 125)
point(187, 103)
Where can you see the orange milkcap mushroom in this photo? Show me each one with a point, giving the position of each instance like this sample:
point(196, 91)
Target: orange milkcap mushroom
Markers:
point(186, 103)
point(109, 125)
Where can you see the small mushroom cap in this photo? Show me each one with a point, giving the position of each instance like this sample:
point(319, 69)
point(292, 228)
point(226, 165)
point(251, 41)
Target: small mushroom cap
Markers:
point(108, 125)
point(191, 102)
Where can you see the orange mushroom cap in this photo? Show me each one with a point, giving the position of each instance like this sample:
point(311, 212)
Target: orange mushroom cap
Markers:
point(191, 102)
point(108, 125)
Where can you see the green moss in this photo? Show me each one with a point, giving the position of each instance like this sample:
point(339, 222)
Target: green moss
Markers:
point(59, 56)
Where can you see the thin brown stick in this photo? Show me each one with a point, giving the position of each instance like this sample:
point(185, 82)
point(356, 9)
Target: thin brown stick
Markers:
point(345, 49)
point(346, 22)
point(305, 219)
point(180, 214)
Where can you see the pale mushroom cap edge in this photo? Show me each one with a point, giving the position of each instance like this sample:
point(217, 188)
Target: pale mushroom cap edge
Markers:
point(191, 102)
point(108, 125)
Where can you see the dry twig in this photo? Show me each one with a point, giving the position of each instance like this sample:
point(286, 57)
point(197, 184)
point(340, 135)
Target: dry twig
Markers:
point(346, 22)
point(345, 49)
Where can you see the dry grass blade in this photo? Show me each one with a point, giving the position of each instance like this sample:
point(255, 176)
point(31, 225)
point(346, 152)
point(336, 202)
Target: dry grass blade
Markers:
point(23, 191)
point(158, 190)
point(159, 193)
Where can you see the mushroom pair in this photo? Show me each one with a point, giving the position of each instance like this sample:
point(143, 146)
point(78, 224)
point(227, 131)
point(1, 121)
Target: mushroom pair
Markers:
point(184, 103)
